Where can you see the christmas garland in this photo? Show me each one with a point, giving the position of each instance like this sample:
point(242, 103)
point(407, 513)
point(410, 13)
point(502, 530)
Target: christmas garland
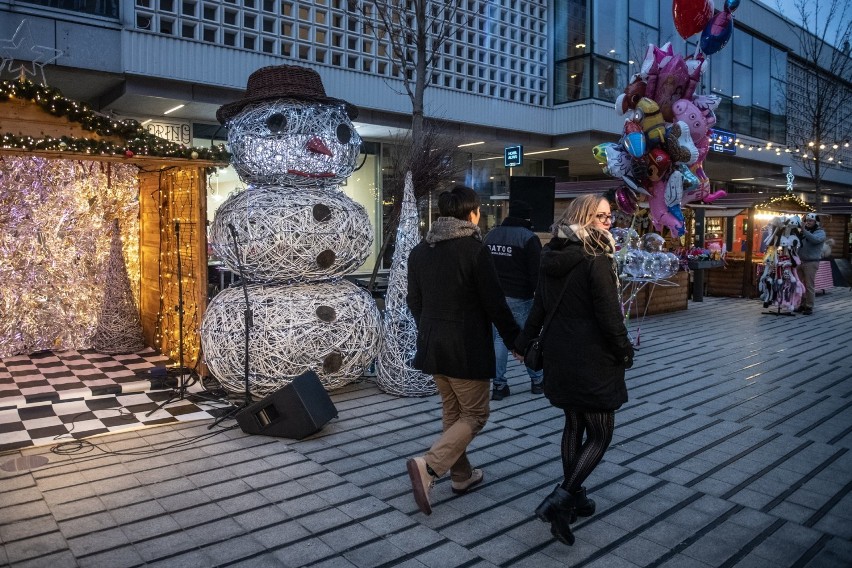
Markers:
point(138, 140)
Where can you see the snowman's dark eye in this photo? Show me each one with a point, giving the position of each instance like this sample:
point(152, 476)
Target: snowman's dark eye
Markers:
point(276, 123)
point(344, 133)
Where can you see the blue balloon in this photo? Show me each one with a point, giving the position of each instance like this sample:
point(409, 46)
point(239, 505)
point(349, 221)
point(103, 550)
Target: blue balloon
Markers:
point(717, 32)
point(635, 143)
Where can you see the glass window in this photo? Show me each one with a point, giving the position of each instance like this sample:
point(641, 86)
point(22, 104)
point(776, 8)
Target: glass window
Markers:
point(610, 30)
point(640, 36)
point(610, 79)
point(742, 47)
point(778, 64)
point(741, 121)
point(760, 74)
point(720, 73)
point(724, 115)
point(571, 80)
point(668, 33)
point(778, 112)
point(742, 85)
point(760, 123)
point(571, 24)
point(362, 188)
point(645, 12)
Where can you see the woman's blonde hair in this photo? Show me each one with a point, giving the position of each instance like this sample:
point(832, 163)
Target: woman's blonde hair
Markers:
point(580, 217)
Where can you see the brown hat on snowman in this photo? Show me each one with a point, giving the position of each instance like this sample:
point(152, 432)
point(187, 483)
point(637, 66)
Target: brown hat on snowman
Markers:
point(283, 82)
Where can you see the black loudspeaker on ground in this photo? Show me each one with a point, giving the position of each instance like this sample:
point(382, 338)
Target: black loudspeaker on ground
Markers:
point(295, 411)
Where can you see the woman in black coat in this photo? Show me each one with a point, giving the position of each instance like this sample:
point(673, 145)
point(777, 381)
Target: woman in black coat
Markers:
point(586, 349)
point(455, 296)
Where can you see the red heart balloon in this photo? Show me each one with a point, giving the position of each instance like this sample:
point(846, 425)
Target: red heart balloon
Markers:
point(690, 16)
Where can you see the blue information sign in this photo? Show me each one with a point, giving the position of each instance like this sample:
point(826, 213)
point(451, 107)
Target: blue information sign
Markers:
point(723, 141)
point(513, 156)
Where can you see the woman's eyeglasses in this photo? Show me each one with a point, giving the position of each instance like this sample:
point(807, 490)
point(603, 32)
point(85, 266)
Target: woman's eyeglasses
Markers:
point(604, 217)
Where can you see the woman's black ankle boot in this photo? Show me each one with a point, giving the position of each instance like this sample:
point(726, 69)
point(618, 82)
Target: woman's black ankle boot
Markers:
point(561, 525)
point(585, 506)
point(547, 508)
point(558, 510)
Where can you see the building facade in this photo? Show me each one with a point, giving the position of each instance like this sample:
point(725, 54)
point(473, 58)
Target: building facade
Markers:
point(534, 73)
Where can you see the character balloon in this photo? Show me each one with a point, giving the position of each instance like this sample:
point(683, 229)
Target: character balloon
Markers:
point(690, 16)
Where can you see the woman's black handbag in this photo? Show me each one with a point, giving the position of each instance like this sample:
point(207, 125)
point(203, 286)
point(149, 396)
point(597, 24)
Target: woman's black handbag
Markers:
point(533, 357)
point(533, 354)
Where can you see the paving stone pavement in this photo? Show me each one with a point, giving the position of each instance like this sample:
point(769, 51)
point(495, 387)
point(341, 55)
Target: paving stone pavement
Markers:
point(732, 452)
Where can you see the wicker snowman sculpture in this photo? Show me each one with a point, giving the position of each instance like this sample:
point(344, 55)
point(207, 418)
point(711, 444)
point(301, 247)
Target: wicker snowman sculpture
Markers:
point(297, 234)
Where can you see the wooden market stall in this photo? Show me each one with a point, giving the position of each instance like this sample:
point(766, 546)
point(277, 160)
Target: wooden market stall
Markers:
point(92, 170)
point(740, 220)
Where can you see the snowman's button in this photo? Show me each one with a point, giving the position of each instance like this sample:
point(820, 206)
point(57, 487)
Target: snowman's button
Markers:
point(326, 258)
point(322, 212)
point(332, 362)
point(326, 313)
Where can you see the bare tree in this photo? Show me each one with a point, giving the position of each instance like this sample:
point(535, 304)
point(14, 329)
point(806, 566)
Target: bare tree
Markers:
point(432, 166)
point(413, 34)
point(819, 87)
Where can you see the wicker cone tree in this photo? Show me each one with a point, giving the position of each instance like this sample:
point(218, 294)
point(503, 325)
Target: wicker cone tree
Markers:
point(119, 328)
point(394, 373)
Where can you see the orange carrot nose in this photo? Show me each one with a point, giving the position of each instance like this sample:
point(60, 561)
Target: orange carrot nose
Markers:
point(318, 146)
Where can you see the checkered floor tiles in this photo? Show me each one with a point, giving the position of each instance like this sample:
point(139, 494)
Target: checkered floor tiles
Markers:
point(51, 397)
point(51, 376)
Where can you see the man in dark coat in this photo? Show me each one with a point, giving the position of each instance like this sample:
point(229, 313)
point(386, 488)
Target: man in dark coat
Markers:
point(516, 251)
point(454, 296)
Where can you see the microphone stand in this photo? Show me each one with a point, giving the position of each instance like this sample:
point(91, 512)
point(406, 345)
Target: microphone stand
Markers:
point(180, 389)
point(248, 324)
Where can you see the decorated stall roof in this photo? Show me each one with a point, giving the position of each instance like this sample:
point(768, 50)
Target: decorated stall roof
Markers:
point(39, 120)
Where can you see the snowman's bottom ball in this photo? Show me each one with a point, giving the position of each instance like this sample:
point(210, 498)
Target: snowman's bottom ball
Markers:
point(331, 328)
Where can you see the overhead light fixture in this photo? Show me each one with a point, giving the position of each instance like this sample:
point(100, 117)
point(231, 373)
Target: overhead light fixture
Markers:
point(471, 144)
point(546, 151)
point(171, 110)
point(146, 122)
point(580, 46)
point(741, 179)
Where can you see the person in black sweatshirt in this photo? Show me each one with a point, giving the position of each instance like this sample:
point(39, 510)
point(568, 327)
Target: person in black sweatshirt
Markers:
point(516, 250)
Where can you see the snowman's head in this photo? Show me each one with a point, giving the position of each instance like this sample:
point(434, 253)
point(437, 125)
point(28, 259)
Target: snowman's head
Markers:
point(293, 143)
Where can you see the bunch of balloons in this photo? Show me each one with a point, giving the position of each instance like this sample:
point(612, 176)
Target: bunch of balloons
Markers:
point(643, 258)
point(660, 156)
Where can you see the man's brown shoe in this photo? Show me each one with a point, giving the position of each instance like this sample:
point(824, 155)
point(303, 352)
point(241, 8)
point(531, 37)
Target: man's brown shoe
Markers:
point(461, 487)
point(421, 483)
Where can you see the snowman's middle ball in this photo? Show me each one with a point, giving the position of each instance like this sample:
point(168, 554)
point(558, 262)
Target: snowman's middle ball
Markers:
point(293, 143)
point(287, 236)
